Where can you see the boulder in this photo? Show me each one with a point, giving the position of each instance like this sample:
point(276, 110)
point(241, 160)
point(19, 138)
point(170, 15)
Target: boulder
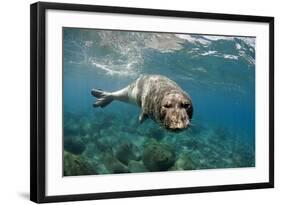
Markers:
point(74, 165)
point(158, 156)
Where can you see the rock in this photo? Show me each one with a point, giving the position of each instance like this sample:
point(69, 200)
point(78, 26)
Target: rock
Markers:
point(71, 128)
point(156, 133)
point(136, 166)
point(126, 152)
point(113, 165)
point(184, 162)
point(71, 124)
point(102, 144)
point(158, 156)
point(74, 144)
point(74, 165)
point(85, 127)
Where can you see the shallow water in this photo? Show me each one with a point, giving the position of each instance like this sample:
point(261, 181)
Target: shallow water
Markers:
point(218, 72)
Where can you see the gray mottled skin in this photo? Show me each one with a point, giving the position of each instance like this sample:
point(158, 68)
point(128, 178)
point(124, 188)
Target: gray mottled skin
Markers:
point(159, 98)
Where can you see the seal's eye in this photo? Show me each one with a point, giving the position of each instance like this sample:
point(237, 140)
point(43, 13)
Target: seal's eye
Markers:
point(168, 105)
point(186, 106)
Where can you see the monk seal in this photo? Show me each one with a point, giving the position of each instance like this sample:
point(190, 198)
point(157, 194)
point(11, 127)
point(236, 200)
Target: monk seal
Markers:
point(159, 98)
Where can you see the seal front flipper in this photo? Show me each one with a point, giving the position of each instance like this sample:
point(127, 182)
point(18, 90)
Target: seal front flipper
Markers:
point(142, 117)
point(103, 98)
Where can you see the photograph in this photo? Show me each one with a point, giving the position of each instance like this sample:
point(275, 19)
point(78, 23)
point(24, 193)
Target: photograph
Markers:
point(133, 102)
point(144, 101)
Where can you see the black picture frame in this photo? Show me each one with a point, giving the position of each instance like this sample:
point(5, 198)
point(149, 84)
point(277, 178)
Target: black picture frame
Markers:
point(38, 101)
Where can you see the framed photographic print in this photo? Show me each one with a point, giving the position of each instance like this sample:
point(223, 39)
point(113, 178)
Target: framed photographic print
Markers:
point(129, 102)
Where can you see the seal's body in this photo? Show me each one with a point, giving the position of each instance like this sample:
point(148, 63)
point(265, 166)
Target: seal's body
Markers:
point(160, 98)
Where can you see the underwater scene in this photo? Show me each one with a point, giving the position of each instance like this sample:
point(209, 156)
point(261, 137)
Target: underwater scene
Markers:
point(117, 135)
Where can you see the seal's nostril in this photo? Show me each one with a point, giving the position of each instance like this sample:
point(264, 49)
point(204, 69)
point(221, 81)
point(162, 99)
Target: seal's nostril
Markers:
point(173, 118)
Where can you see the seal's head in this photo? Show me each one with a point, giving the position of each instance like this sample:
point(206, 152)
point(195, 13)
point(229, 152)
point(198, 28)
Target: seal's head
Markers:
point(176, 111)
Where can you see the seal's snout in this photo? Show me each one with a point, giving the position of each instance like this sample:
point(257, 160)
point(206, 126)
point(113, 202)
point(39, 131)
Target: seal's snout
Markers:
point(177, 120)
point(176, 111)
point(181, 124)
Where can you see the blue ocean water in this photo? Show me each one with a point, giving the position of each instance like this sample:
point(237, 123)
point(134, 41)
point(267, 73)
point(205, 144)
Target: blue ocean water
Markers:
point(218, 72)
